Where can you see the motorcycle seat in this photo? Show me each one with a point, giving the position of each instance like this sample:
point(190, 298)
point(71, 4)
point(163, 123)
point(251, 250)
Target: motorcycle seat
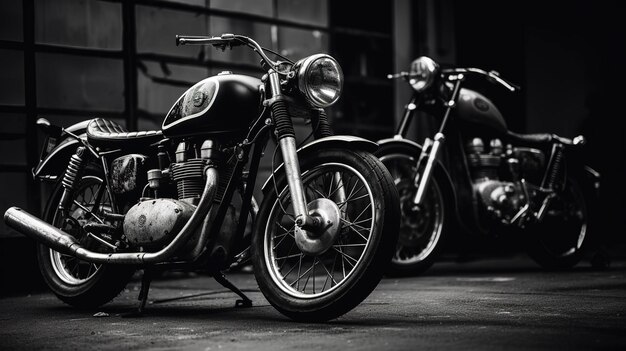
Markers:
point(543, 139)
point(108, 134)
point(539, 138)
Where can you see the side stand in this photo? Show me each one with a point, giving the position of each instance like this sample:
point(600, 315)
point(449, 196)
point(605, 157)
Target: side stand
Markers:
point(244, 301)
point(146, 279)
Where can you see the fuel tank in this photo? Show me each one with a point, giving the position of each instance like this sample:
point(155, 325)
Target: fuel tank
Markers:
point(223, 106)
point(476, 110)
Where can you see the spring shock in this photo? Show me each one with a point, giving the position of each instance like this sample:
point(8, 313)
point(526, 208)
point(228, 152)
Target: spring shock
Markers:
point(554, 167)
point(69, 178)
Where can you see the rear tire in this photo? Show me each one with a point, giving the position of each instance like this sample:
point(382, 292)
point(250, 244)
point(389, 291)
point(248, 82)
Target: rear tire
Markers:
point(364, 254)
point(561, 239)
point(76, 282)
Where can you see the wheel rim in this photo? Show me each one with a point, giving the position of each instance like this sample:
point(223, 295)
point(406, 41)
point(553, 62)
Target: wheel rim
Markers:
point(420, 231)
point(303, 276)
point(70, 269)
point(566, 215)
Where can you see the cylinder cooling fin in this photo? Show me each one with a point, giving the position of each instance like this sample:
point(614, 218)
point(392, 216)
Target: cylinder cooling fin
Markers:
point(188, 178)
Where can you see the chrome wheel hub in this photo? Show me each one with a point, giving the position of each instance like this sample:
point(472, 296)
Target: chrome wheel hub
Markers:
point(316, 242)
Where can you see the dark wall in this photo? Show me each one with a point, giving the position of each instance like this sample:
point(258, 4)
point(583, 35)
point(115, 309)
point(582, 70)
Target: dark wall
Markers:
point(569, 58)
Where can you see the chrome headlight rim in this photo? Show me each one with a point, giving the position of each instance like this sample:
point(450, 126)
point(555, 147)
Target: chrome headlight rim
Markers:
point(428, 71)
point(302, 69)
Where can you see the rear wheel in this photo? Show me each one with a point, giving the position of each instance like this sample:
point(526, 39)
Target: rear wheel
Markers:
point(560, 240)
point(74, 281)
point(422, 234)
point(329, 280)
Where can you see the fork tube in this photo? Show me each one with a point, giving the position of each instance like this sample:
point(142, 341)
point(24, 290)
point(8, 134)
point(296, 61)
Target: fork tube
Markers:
point(426, 175)
point(422, 178)
point(406, 119)
point(287, 144)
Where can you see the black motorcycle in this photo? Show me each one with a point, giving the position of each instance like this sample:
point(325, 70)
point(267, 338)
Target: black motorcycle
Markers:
point(179, 197)
point(487, 179)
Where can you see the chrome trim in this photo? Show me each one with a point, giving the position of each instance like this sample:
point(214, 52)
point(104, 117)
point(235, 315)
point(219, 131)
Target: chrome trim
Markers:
point(424, 179)
point(294, 180)
point(344, 141)
point(217, 89)
point(58, 240)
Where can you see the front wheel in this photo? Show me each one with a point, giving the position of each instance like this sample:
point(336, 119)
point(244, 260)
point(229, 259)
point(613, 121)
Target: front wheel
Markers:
point(422, 230)
point(325, 284)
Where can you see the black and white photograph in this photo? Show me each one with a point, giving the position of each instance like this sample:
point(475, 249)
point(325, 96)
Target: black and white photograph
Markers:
point(312, 175)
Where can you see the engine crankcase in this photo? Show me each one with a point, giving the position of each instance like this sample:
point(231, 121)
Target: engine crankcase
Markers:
point(153, 223)
point(501, 199)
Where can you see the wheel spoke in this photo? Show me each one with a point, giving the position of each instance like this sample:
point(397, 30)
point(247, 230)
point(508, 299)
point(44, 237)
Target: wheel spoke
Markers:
point(288, 252)
point(350, 226)
point(292, 268)
point(348, 257)
point(349, 245)
point(88, 211)
point(289, 256)
point(301, 276)
point(328, 274)
point(295, 269)
point(356, 198)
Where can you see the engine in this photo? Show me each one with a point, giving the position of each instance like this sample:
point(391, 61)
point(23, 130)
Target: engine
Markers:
point(171, 194)
point(502, 199)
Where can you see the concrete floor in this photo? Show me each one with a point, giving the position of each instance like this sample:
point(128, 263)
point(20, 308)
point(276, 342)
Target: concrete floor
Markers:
point(489, 304)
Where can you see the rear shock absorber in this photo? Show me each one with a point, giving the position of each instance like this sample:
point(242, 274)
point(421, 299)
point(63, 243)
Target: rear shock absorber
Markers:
point(72, 173)
point(554, 167)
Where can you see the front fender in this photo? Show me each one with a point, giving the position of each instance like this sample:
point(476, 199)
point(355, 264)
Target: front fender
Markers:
point(336, 141)
point(392, 145)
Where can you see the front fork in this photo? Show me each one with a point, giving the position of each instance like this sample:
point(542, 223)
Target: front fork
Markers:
point(287, 144)
point(432, 148)
point(425, 166)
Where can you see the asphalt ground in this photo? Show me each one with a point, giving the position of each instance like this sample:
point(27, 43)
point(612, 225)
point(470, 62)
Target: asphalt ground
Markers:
point(486, 305)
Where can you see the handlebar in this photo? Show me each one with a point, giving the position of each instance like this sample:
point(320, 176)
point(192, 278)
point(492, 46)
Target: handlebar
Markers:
point(491, 76)
point(226, 41)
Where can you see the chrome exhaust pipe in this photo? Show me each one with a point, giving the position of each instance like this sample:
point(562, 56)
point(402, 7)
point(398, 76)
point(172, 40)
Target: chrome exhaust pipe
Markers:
point(60, 241)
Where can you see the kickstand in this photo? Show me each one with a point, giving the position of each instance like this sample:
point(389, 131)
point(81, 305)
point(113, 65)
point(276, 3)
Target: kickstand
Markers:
point(146, 279)
point(244, 301)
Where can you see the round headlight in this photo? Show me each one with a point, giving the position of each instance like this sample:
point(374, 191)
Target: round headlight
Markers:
point(320, 79)
point(423, 73)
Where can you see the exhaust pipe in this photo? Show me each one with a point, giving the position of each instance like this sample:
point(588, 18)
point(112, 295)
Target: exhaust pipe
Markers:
point(60, 241)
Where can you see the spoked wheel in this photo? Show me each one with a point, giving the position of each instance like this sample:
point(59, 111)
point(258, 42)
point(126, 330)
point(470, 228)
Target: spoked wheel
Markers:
point(70, 269)
point(421, 229)
point(559, 241)
point(77, 282)
point(331, 271)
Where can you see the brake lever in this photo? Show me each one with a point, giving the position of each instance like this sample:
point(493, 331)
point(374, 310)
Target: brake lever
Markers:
point(494, 76)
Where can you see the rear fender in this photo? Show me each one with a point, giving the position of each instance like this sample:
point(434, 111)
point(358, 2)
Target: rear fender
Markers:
point(54, 163)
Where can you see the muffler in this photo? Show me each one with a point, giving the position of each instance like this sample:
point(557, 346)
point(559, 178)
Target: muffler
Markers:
point(60, 241)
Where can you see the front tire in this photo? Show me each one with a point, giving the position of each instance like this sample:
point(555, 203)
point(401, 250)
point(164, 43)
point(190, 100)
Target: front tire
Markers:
point(422, 232)
point(324, 286)
point(78, 283)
